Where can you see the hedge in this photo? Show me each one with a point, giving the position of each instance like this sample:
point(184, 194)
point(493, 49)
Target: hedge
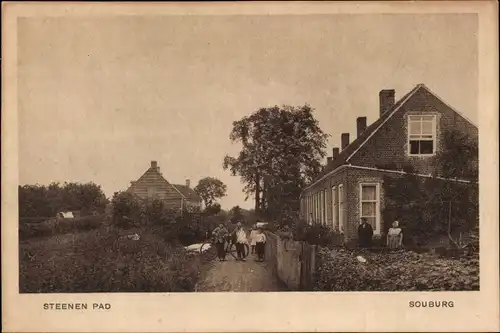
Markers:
point(55, 226)
point(340, 270)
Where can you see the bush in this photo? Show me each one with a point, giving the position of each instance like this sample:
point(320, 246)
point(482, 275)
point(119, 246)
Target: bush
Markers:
point(105, 260)
point(127, 210)
point(339, 270)
point(316, 234)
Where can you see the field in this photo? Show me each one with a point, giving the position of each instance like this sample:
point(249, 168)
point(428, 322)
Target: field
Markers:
point(106, 260)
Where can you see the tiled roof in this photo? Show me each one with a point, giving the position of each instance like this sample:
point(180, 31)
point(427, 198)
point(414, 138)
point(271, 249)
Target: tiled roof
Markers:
point(187, 192)
point(343, 156)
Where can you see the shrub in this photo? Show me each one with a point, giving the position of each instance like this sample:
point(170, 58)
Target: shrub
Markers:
point(104, 260)
point(190, 233)
point(339, 270)
point(127, 210)
point(316, 234)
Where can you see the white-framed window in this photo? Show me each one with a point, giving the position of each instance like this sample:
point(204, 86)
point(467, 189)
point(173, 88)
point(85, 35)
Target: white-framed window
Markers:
point(309, 208)
point(369, 204)
point(334, 207)
point(315, 203)
point(151, 192)
point(317, 208)
point(310, 213)
point(421, 135)
point(325, 204)
point(322, 204)
point(341, 207)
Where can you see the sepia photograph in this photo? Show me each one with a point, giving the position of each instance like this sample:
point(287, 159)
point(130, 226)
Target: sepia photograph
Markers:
point(318, 153)
point(196, 160)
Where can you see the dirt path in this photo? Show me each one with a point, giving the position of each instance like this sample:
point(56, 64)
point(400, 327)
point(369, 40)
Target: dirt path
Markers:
point(232, 275)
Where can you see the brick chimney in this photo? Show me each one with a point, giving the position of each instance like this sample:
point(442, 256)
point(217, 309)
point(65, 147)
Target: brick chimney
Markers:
point(329, 161)
point(154, 165)
point(188, 183)
point(360, 125)
point(387, 100)
point(335, 152)
point(344, 140)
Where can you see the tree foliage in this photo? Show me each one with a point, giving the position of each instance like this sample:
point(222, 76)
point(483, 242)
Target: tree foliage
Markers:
point(281, 150)
point(458, 156)
point(47, 201)
point(210, 189)
point(236, 214)
point(213, 209)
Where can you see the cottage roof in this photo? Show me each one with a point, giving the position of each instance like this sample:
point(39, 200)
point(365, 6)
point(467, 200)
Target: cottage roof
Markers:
point(187, 192)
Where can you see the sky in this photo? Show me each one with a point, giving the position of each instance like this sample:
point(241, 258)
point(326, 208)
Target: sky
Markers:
point(100, 98)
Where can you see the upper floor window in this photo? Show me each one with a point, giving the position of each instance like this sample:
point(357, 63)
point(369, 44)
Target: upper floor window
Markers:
point(421, 135)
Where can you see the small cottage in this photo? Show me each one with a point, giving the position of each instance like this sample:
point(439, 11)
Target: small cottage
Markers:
point(152, 185)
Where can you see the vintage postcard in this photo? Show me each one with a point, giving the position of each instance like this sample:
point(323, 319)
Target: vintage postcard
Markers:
point(250, 166)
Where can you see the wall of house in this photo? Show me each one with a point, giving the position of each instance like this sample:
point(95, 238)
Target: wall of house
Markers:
point(327, 184)
point(355, 177)
point(390, 143)
point(152, 183)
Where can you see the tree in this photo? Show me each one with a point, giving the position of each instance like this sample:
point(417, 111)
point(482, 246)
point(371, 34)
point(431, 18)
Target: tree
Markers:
point(46, 201)
point(458, 156)
point(213, 209)
point(210, 189)
point(128, 209)
point(236, 214)
point(282, 149)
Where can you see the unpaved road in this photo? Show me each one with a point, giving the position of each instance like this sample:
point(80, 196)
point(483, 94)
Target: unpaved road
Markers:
point(238, 276)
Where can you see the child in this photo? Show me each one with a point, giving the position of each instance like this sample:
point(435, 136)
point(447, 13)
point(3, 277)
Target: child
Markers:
point(260, 244)
point(253, 233)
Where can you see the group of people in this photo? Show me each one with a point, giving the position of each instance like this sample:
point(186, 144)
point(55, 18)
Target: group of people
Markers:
point(239, 237)
point(394, 235)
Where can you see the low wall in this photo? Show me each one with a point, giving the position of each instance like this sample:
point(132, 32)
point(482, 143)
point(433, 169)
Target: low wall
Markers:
point(293, 262)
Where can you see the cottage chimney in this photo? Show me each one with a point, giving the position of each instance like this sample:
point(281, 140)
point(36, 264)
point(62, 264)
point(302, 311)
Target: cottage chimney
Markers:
point(188, 183)
point(344, 140)
point(335, 152)
point(387, 100)
point(360, 125)
point(329, 161)
point(154, 165)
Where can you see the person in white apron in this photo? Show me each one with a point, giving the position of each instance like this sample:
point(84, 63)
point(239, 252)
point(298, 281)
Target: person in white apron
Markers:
point(253, 241)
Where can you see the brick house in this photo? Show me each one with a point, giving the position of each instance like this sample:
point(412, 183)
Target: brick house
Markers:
point(152, 185)
point(407, 132)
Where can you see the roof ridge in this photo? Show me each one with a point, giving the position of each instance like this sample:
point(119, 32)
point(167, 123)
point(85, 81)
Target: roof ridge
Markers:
point(448, 105)
point(163, 178)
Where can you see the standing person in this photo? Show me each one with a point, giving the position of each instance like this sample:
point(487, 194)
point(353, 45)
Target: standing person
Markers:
point(395, 236)
point(253, 233)
point(220, 235)
point(240, 238)
point(260, 243)
point(365, 234)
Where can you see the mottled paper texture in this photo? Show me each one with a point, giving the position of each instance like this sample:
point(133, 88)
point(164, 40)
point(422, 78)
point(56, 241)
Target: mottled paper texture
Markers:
point(102, 93)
